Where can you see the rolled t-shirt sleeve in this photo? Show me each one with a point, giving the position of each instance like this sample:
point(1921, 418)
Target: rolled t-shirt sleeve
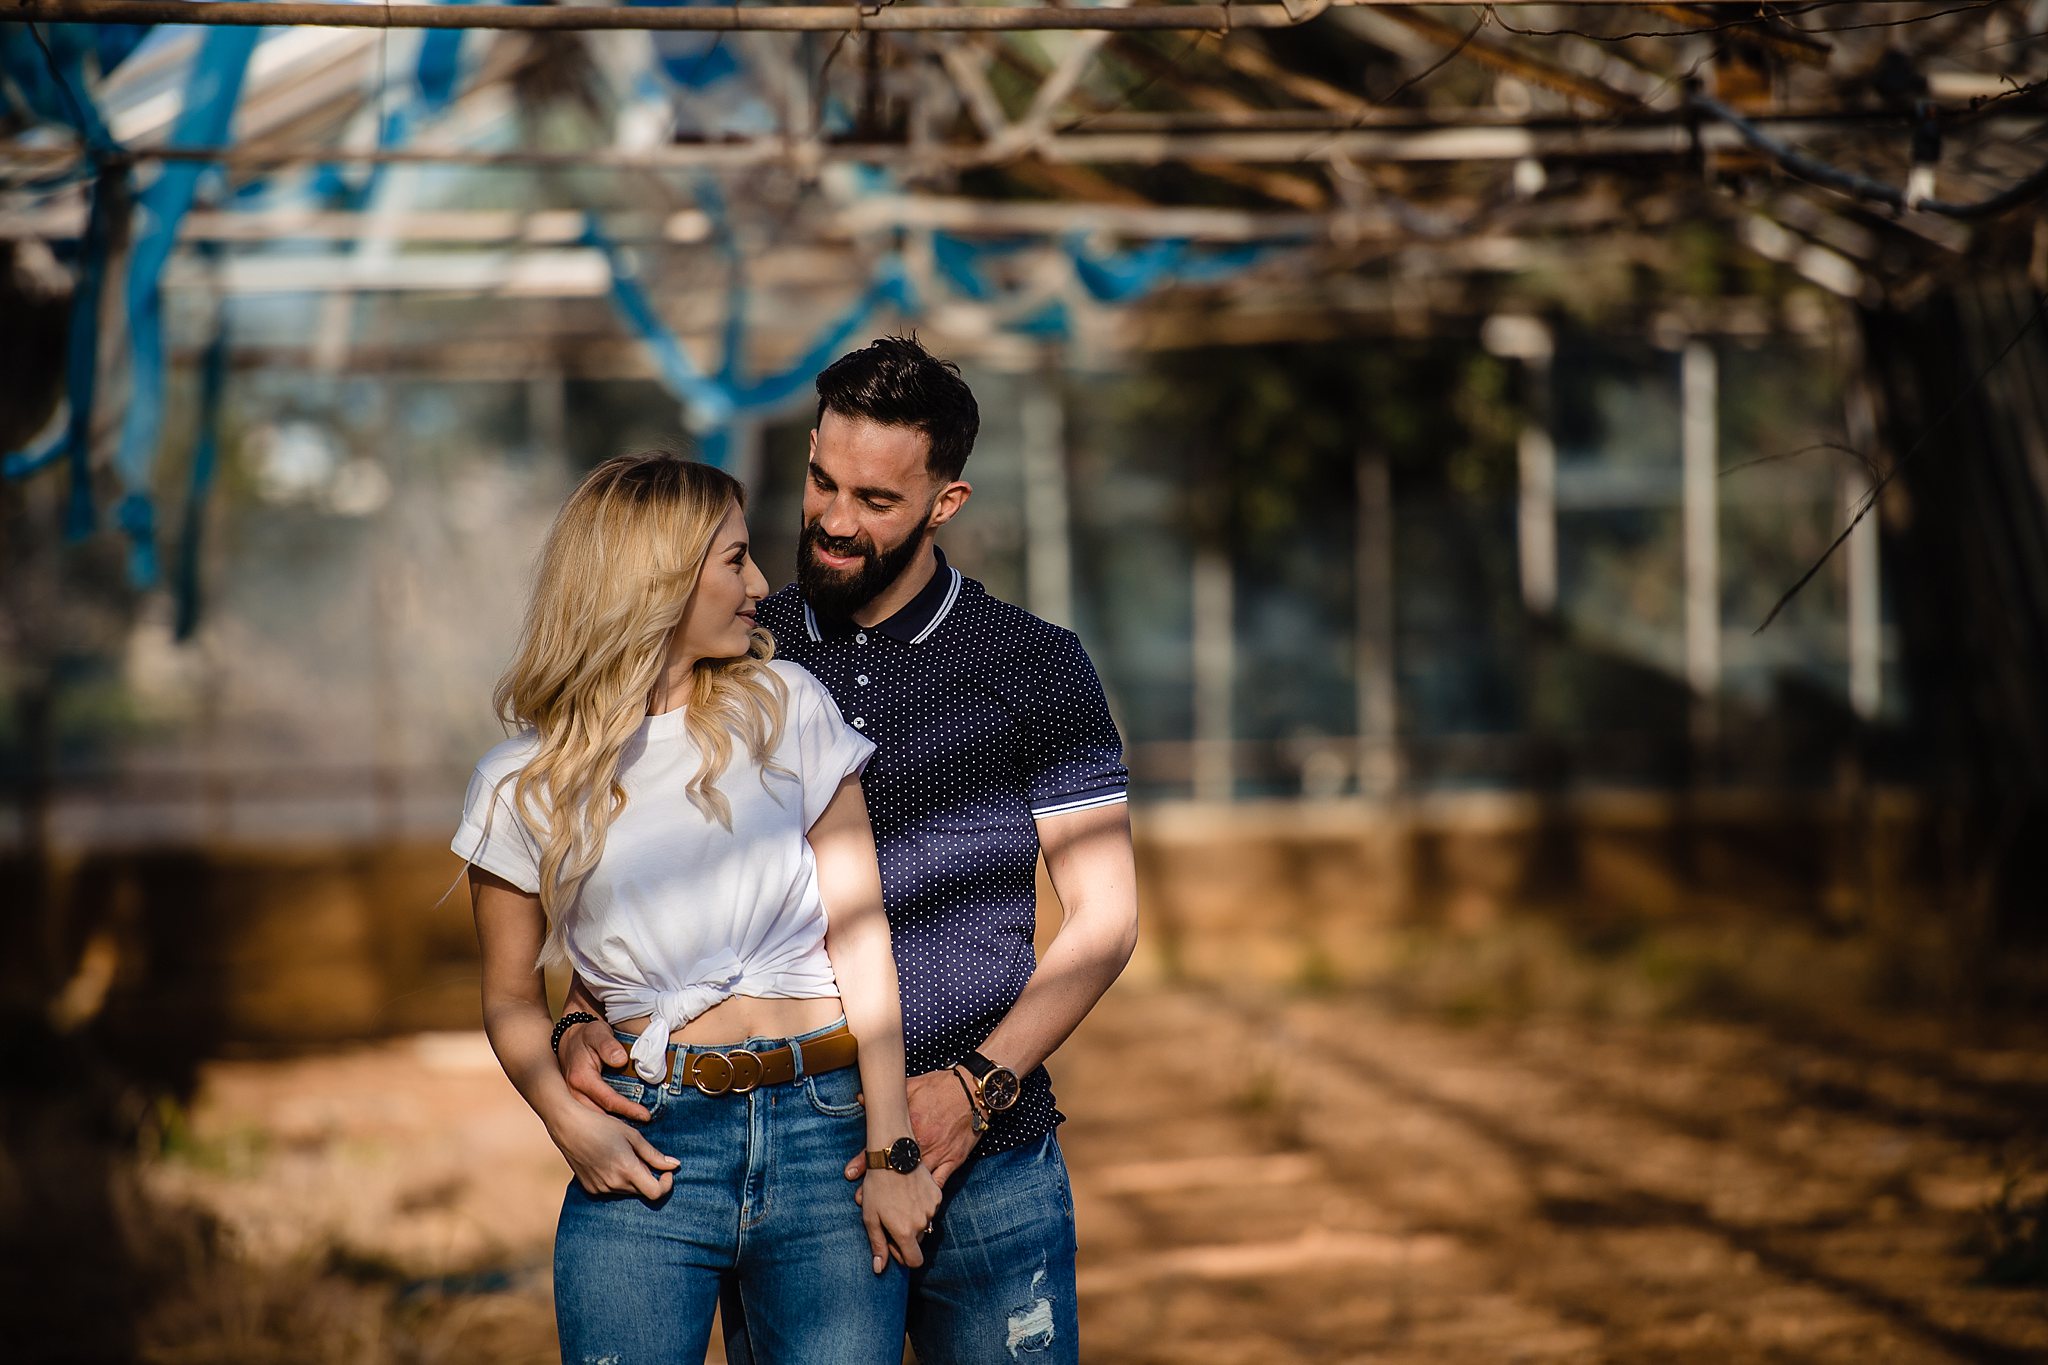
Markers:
point(828, 749)
point(491, 836)
point(1073, 755)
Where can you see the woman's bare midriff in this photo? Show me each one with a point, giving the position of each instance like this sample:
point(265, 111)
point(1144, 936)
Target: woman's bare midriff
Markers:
point(740, 1017)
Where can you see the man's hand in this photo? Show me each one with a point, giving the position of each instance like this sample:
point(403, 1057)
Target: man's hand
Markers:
point(941, 1120)
point(585, 1051)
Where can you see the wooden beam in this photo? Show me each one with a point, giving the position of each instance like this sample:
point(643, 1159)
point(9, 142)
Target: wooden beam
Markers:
point(1286, 187)
point(1514, 62)
point(1024, 217)
point(1221, 18)
point(472, 227)
point(1424, 141)
point(545, 232)
point(696, 18)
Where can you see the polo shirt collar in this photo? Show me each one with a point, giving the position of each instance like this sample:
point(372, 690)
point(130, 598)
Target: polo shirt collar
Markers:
point(912, 625)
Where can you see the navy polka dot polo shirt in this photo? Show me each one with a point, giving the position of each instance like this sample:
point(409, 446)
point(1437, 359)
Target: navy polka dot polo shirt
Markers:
point(984, 717)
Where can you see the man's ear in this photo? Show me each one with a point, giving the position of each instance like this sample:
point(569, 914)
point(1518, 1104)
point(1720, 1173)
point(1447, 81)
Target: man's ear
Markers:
point(950, 500)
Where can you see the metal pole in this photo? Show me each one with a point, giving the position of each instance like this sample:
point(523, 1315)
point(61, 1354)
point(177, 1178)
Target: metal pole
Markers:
point(1413, 142)
point(1536, 505)
point(1379, 753)
point(1700, 510)
point(1866, 622)
point(1529, 340)
point(695, 18)
point(1048, 546)
point(1215, 666)
point(722, 18)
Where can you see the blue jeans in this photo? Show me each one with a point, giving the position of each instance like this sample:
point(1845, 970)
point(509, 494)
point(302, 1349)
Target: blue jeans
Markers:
point(997, 1285)
point(760, 1205)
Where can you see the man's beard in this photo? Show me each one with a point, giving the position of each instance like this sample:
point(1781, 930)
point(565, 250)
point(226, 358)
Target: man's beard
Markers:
point(842, 592)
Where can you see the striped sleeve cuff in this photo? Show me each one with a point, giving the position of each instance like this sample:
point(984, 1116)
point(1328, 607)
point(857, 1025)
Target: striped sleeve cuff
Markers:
point(1066, 805)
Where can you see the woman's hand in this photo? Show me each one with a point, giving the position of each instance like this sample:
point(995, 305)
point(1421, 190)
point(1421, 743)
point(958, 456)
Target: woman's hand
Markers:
point(898, 1210)
point(609, 1157)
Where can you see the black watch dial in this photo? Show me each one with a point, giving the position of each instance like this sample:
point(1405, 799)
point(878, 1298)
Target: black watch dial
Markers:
point(904, 1154)
point(999, 1088)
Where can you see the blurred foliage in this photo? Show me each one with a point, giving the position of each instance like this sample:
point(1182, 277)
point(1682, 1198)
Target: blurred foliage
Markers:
point(238, 1152)
point(1265, 435)
point(2013, 1237)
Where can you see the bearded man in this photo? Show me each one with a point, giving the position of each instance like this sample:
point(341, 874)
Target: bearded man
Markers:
point(993, 743)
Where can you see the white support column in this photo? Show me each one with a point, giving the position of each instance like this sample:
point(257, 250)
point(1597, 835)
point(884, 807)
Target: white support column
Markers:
point(1866, 622)
point(1379, 755)
point(1515, 336)
point(1700, 513)
point(1536, 510)
point(1215, 649)
point(547, 415)
point(1048, 537)
point(376, 246)
point(745, 451)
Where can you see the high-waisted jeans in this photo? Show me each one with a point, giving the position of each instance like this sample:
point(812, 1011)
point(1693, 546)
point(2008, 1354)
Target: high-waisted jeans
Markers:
point(761, 1202)
point(997, 1287)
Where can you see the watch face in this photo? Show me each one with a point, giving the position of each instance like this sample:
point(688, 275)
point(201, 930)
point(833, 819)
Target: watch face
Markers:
point(904, 1154)
point(999, 1089)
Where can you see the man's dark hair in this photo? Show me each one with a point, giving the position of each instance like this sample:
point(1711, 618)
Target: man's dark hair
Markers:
point(897, 382)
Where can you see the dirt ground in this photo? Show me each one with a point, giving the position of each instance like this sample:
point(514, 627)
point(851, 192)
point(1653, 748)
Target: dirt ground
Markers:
point(1277, 1178)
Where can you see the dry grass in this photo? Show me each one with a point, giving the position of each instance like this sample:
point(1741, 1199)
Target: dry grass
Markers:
point(1650, 1145)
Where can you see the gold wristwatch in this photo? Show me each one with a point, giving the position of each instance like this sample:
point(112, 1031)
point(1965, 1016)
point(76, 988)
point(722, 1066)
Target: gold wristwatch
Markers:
point(998, 1084)
point(900, 1156)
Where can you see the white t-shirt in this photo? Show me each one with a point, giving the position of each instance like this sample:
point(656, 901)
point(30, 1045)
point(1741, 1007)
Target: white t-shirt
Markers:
point(680, 912)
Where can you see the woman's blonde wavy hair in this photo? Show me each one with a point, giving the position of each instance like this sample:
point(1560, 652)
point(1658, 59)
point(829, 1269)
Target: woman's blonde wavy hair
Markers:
point(616, 576)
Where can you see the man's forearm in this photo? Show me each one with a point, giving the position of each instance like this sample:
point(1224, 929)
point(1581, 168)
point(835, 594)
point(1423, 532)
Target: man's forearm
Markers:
point(1072, 976)
point(1088, 857)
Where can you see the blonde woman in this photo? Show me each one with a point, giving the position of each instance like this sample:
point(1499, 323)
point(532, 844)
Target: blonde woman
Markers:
point(680, 819)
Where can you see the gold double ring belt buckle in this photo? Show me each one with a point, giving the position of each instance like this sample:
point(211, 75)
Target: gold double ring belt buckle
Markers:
point(734, 1072)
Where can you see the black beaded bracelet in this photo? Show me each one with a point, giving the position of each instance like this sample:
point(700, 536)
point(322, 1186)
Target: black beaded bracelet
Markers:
point(978, 1116)
point(564, 1024)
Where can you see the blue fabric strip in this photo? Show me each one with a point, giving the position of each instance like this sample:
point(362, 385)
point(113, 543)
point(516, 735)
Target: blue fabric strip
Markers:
point(714, 402)
point(60, 95)
point(890, 286)
point(211, 93)
point(19, 464)
point(213, 375)
point(711, 406)
point(82, 364)
point(695, 61)
point(56, 87)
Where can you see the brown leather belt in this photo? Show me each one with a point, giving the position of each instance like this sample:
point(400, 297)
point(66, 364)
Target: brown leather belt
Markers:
point(735, 1071)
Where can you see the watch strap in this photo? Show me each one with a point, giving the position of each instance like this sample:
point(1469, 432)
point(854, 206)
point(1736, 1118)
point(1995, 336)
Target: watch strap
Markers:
point(879, 1159)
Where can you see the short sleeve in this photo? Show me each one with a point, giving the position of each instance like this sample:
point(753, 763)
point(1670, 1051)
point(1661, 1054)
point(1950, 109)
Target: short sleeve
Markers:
point(491, 836)
point(828, 749)
point(1073, 755)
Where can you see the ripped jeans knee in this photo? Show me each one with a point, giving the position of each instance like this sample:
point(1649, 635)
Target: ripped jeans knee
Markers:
point(999, 1283)
point(1031, 1327)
